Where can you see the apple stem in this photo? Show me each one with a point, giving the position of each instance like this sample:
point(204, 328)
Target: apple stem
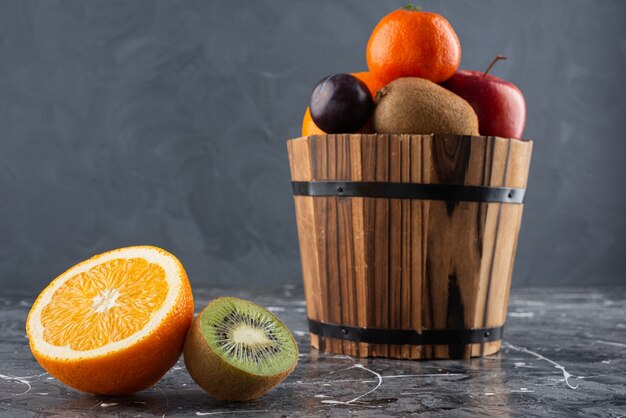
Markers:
point(496, 59)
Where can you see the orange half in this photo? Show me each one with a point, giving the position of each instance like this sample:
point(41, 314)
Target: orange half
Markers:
point(113, 324)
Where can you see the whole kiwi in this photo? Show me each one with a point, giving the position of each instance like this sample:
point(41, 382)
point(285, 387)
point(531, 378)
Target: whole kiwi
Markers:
point(414, 105)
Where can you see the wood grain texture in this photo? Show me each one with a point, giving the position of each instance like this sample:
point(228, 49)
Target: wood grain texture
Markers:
point(408, 264)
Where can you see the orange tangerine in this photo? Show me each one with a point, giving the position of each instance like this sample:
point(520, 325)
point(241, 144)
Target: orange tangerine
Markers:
point(412, 43)
point(372, 82)
point(308, 126)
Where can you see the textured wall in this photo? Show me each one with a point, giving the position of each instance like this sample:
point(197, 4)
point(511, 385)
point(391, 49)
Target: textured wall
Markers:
point(130, 122)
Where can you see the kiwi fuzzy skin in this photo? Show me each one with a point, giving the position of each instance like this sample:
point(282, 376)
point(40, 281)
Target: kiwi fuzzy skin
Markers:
point(414, 105)
point(219, 378)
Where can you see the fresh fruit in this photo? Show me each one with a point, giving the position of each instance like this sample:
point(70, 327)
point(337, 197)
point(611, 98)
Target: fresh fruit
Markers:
point(113, 324)
point(417, 106)
point(308, 126)
point(499, 104)
point(373, 84)
point(237, 350)
point(341, 103)
point(412, 43)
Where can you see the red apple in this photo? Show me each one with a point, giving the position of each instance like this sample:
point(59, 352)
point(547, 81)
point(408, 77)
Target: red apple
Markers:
point(499, 104)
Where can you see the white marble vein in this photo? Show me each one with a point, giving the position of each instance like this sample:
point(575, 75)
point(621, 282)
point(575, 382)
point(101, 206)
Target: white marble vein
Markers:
point(356, 366)
point(566, 375)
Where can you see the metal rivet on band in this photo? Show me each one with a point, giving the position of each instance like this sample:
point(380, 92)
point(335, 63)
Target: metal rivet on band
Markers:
point(344, 331)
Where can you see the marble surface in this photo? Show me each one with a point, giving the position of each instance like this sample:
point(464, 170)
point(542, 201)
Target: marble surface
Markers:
point(564, 355)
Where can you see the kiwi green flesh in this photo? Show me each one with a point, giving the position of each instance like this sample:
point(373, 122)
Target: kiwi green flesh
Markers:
point(248, 337)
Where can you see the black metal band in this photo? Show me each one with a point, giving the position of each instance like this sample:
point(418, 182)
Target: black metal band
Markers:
point(405, 336)
point(448, 192)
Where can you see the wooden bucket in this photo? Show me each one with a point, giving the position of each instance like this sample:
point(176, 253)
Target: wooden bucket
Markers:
point(408, 241)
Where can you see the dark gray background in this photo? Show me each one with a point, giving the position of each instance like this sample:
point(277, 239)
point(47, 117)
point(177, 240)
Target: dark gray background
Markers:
point(164, 123)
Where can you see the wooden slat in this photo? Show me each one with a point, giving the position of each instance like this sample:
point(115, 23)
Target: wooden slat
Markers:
point(300, 164)
point(406, 311)
point(360, 266)
point(420, 173)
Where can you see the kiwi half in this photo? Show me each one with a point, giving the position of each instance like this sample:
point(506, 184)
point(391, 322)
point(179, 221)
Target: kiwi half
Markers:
point(237, 350)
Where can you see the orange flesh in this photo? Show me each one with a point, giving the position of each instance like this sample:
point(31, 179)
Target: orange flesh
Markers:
point(108, 303)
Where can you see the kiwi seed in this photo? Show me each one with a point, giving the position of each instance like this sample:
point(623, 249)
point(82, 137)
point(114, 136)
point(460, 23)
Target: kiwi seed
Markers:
point(237, 350)
point(414, 105)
